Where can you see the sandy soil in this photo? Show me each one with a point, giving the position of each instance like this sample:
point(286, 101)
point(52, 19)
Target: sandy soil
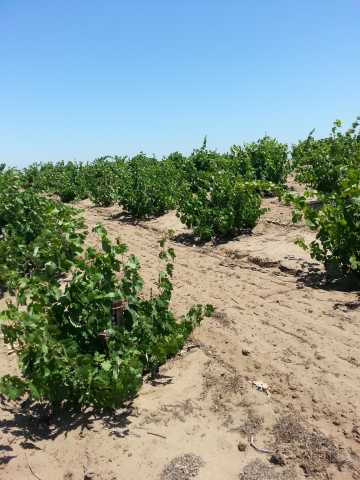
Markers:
point(276, 322)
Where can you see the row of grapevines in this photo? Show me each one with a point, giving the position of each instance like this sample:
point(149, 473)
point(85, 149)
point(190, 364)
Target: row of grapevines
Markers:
point(146, 187)
point(219, 194)
point(71, 181)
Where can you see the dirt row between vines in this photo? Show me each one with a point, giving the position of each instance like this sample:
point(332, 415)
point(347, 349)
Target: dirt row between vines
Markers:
point(276, 323)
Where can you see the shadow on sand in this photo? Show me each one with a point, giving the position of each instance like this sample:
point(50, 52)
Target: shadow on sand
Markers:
point(32, 422)
point(311, 275)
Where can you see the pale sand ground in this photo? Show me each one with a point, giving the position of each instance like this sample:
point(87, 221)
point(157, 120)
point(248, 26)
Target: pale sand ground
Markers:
point(274, 323)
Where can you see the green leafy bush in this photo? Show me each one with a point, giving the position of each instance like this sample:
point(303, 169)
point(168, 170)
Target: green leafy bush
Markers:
point(222, 206)
point(193, 171)
point(149, 187)
point(69, 346)
point(71, 183)
point(205, 160)
point(41, 177)
point(67, 180)
point(318, 163)
point(9, 177)
point(336, 221)
point(104, 178)
point(266, 159)
point(37, 236)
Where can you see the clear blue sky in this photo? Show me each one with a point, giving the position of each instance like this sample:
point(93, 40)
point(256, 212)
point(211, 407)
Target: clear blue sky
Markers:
point(83, 78)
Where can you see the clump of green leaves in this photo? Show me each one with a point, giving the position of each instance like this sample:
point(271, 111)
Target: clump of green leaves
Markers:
point(99, 180)
point(205, 160)
point(319, 163)
point(38, 236)
point(104, 179)
point(203, 163)
point(67, 180)
point(194, 170)
point(69, 347)
point(148, 187)
point(336, 220)
point(266, 159)
point(223, 205)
